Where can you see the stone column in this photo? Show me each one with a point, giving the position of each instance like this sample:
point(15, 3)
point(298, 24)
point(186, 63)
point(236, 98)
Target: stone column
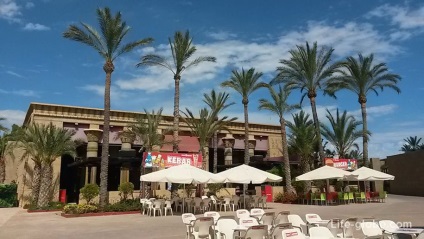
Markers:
point(252, 145)
point(228, 141)
point(93, 138)
point(126, 141)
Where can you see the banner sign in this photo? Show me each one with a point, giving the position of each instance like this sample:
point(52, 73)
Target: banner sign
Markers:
point(166, 160)
point(345, 164)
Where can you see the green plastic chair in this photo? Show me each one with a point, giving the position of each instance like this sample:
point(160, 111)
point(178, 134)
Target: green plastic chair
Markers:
point(346, 197)
point(340, 196)
point(363, 198)
point(351, 197)
point(383, 196)
point(323, 198)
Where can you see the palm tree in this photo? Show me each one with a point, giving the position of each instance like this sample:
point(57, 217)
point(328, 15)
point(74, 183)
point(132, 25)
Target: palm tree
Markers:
point(354, 154)
point(182, 50)
point(245, 83)
point(342, 133)
point(279, 106)
point(302, 138)
point(217, 103)
point(44, 144)
point(205, 126)
point(308, 69)
point(361, 76)
point(4, 150)
point(412, 144)
point(2, 128)
point(302, 141)
point(109, 45)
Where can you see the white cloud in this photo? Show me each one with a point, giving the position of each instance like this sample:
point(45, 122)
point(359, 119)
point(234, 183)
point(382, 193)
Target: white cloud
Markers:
point(221, 35)
point(26, 93)
point(402, 16)
point(347, 39)
point(10, 11)
point(12, 117)
point(375, 111)
point(14, 74)
point(35, 27)
point(99, 90)
point(383, 144)
point(29, 5)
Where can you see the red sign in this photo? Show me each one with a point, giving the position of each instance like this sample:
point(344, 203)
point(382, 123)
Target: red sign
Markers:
point(345, 164)
point(166, 160)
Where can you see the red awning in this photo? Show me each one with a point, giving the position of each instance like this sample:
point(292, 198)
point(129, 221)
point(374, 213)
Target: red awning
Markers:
point(186, 144)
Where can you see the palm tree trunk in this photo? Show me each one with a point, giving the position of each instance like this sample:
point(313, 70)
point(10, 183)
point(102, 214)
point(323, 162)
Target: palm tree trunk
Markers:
point(45, 186)
point(364, 133)
point(104, 165)
point(215, 152)
point(36, 181)
point(317, 129)
point(176, 113)
point(246, 135)
point(2, 170)
point(306, 167)
point(287, 173)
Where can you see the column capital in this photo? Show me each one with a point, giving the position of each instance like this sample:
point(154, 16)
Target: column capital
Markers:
point(93, 135)
point(126, 137)
point(252, 142)
point(228, 141)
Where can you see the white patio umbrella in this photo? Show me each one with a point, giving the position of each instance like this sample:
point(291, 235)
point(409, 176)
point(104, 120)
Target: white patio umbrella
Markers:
point(368, 174)
point(183, 174)
point(326, 173)
point(245, 174)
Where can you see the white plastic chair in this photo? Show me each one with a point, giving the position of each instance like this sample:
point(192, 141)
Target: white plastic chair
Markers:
point(264, 202)
point(168, 207)
point(267, 219)
point(371, 229)
point(256, 212)
point(213, 214)
point(282, 217)
point(294, 233)
point(188, 220)
point(215, 203)
point(297, 222)
point(320, 233)
point(311, 218)
point(157, 207)
point(226, 204)
point(335, 227)
point(255, 232)
point(388, 226)
point(235, 202)
point(206, 204)
point(149, 207)
point(248, 221)
point(204, 197)
point(242, 213)
point(197, 205)
point(349, 227)
point(225, 227)
point(203, 227)
point(276, 231)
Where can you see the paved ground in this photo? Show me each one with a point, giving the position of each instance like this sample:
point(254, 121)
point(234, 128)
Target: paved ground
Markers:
point(16, 223)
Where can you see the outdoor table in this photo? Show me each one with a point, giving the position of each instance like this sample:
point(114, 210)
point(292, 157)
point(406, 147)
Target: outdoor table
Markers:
point(408, 231)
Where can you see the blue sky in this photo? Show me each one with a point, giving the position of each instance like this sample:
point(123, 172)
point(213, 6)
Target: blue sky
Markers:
point(38, 65)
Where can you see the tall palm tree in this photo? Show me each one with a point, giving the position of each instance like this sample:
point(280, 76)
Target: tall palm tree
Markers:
point(302, 141)
point(342, 133)
point(108, 43)
point(4, 150)
point(302, 138)
point(182, 50)
point(205, 126)
point(44, 144)
point(308, 69)
point(412, 144)
point(279, 106)
point(245, 83)
point(217, 103)
point(362, 76)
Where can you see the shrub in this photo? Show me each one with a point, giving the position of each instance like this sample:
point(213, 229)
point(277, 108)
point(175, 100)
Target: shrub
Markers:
point(289, 197)
point(89, 191)
point(125, 189)
point(124, 206)
point(8, 195)
point(79, 209)
point(279, 197)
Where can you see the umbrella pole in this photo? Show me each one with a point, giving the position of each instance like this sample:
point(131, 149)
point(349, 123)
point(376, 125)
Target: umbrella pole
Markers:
point(183, 197)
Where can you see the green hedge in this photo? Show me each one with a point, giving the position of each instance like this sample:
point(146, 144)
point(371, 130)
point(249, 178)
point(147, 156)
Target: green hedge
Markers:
point(8, 195)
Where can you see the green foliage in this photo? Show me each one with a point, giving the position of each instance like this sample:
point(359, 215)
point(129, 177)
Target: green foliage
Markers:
point(279, 197)
point(8, 195)
point(125, 189)
point(412, 144)
point(189, 189)
point(89, 192)
point(124, 206)
point(80, 208)
point(299, 186)
point(50, 206)
point(277, 170)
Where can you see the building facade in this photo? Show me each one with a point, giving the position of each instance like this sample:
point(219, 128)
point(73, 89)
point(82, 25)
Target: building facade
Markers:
point(71, 174)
